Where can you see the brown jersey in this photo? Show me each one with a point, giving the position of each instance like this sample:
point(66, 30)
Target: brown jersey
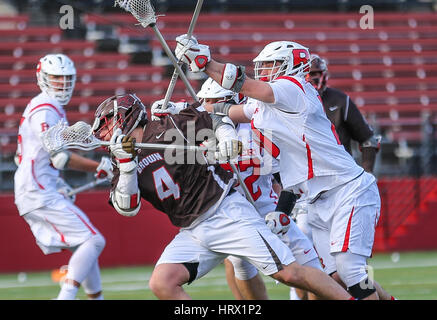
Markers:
point(347, 119)
point(182, 191)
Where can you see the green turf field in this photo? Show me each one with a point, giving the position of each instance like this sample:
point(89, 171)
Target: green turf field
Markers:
point(411, 275)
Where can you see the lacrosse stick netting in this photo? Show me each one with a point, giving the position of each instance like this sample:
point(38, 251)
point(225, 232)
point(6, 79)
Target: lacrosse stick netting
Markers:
point(62, 137)
point(142, 10)
point(79, 136)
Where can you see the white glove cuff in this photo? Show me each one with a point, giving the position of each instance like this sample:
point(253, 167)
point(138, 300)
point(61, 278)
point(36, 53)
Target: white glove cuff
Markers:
point(127, 165)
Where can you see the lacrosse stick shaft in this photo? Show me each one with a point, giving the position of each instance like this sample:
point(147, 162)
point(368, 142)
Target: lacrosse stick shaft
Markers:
point(243, 185)
point(174, 62)
point(174, 78)
point(161, 146)
point(86, 186)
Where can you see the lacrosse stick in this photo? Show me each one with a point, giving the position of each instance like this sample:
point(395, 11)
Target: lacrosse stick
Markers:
point(87, 186)
point(144, 12)
point(79, 136)
point(174, 78)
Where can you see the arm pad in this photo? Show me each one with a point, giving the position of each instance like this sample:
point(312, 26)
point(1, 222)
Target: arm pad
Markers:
point(126, 195)
point(126, 204)
point(286, 202)
point(220, 120)
point(233, 77)
point(222, 108)
point(60, 159)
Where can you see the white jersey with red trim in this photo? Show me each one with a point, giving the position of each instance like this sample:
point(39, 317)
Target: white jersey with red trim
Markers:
point(256, 169)
point(296, 129)
point(35, 178)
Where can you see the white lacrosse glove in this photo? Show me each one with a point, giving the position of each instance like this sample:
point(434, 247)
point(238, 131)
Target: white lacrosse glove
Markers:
point(229, 146)
point(278, 222)
point(190, 52)
point(172, 108)
point(64, 188)
point(122, 147)
point(104, 169)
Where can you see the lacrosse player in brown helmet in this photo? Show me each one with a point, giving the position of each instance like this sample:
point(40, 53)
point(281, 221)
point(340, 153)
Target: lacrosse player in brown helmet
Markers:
point(198, 197)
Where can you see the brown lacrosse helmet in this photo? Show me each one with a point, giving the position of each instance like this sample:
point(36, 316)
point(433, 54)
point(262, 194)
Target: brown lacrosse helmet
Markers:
point(122, 111)
point(318, 75)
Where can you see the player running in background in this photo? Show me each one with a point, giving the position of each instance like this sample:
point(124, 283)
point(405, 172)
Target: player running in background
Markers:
point(55, 221)
point(256, 169)
point(198, 197)
point(344, 202)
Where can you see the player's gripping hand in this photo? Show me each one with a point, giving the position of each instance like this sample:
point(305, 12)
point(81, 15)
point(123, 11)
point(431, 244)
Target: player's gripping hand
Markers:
point(172, 108)
point(229, 148)
point(64, 188)
point(122, 147)
point(104, 169)
point(190, 52)
point(278, 222)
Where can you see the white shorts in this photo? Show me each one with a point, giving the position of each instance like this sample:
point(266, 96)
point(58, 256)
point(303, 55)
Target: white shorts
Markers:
point(352, 226)
point(234, 229)
point(60, 225)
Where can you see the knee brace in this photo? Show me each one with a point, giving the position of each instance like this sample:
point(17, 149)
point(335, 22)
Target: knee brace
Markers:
point(351, 268)
point(243, 270)
point(362, 289)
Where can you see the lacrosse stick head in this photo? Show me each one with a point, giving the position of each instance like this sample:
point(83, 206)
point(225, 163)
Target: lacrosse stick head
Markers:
point(142, 10)
point(62, 137)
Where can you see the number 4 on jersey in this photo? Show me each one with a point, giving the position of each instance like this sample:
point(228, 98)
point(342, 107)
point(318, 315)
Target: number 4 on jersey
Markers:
point(164, 184)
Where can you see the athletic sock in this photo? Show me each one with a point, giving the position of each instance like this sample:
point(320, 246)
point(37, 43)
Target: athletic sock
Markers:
point(68, 292)
point(293, 294)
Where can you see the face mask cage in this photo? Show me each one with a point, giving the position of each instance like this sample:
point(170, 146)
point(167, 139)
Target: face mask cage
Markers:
point(59, 88)
point(105, 118)
point(270, 75)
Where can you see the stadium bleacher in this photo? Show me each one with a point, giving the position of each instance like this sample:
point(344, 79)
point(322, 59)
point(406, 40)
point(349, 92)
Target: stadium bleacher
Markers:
point(389, 71)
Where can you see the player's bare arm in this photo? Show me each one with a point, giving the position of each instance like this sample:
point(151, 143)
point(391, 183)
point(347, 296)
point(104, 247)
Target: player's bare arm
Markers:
point(78, 162)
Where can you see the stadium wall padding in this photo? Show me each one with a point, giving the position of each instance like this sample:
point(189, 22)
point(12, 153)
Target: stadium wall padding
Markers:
point(135, 240)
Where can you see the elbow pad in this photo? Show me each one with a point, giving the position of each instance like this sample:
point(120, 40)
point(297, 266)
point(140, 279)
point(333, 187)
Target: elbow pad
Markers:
point(220, 120)
point(233, 77)
point(60, 159)
point(286, 202)
point(127, 205)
